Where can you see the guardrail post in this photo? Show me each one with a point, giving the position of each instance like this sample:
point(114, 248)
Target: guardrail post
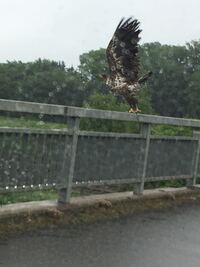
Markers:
point(145, 132)
point(192, 182)
point(65, 193)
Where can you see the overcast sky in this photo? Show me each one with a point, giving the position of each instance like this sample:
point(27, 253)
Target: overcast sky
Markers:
point(63, 29)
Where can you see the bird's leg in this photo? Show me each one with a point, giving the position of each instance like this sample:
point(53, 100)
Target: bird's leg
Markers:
point(131, 110)
point(137, 109)
point(134, 110)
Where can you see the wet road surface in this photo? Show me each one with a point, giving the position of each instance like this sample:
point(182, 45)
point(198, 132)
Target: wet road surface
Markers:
point(152, 239)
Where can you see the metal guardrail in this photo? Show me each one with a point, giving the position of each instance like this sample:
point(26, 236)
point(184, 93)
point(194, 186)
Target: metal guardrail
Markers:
point(59, 110)
point(31, 158)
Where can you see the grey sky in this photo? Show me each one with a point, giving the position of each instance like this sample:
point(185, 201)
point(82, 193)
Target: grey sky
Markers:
point(63, 29)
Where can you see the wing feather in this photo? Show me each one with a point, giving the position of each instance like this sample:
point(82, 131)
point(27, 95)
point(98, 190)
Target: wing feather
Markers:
point(122, 51)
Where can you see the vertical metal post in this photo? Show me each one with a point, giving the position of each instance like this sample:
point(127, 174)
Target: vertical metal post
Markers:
point(192, 182)
point(65, 193)
point(145, 132)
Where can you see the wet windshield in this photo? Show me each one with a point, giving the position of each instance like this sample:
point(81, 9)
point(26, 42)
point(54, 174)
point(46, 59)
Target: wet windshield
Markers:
point(99, 132)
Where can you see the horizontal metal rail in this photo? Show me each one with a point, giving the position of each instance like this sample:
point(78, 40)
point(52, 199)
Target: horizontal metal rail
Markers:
point(33, 131)
point(11, 130)
point(31, 107)
point(49, 109)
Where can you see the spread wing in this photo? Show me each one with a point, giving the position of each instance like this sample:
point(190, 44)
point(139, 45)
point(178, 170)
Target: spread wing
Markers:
point(122, 51)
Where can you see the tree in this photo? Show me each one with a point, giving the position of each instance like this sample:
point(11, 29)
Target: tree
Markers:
point(168, 85)
point(41, 81)
point(92, 65)
point(193, 96)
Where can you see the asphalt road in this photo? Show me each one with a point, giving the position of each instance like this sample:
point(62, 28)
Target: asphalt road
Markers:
point(165, 238)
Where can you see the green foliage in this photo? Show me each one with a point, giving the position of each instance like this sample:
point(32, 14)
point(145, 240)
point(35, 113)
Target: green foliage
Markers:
point(15, 197)
point(92, 65)
point(174, 86)
point(107, 102)
point(41, 81)
point(169, 130)
point(168, 183)
point(38, 195)
point(194, 95)
point(23, 122)
point(168, 84)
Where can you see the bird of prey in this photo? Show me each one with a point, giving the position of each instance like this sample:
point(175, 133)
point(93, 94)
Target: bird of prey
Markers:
point(123, 62)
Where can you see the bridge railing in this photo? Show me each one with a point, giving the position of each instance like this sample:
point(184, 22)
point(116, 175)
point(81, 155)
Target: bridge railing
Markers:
point(62, 158)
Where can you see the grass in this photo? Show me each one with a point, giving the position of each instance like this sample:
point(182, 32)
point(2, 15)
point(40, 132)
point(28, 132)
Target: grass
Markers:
point(15, 197)
point(170, 130)
point(48, 194)
point(28, 122)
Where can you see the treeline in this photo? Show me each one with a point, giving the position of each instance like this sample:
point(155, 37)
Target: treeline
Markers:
point(173, 90)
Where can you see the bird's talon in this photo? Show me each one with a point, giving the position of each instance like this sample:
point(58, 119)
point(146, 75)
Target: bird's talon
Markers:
point(137, 110)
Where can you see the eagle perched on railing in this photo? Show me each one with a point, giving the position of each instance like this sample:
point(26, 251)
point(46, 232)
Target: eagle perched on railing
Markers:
point(123, 62)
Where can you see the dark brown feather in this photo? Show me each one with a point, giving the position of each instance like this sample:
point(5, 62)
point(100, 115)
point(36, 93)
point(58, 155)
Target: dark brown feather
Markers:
point(122, 51)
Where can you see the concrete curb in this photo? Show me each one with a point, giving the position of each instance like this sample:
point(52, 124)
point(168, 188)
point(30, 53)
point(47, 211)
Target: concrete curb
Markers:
point(108, 199)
